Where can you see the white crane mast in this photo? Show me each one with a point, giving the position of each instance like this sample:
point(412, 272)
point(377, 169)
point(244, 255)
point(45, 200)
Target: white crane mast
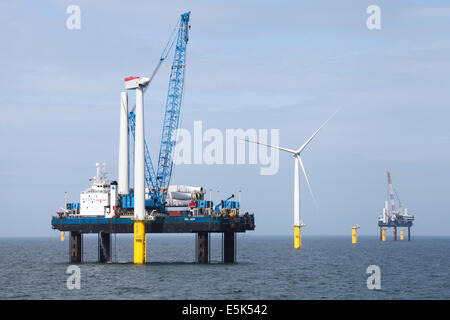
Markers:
point(391, 193)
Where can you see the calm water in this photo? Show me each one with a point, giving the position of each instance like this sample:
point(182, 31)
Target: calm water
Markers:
point(267, 268)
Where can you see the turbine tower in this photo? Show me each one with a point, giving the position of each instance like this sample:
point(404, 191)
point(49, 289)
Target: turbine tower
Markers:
point(138, 84)
point(298, 223)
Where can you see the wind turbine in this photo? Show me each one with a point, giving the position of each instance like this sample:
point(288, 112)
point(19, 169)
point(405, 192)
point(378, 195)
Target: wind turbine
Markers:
point(298, 161)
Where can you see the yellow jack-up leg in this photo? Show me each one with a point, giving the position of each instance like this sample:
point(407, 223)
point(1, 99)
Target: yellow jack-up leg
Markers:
point(62, 235)
point(401, 234)
point(383, 235)
point(140, 245)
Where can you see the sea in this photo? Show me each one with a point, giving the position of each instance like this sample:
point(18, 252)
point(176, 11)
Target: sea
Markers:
point(267, 267)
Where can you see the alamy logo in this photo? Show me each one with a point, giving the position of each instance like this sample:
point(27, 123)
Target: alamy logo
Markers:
point(213, 147)
point(74, 280)
point(374, 20)
point(73, 22)
point(374, 280)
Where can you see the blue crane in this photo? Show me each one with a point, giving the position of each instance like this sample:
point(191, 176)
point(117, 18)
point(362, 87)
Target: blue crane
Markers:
point(173, 108)
point(150, 177)
point(159, 182)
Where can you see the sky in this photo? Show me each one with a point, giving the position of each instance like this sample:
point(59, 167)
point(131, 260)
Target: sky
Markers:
point(285, 65)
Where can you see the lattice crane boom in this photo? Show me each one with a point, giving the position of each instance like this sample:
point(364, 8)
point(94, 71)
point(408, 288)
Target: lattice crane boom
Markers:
point(158, 181)
point(173, 108)
point(150, 177)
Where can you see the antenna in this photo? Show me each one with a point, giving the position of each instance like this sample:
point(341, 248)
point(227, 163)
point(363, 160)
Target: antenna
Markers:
point(239, 198)
point(104, 172)
point(97, 177)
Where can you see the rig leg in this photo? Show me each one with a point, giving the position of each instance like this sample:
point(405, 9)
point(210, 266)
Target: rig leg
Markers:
point(229, 247)
point(202, 247)
point(395, 233)
point(104, 247)
point(383, 235)
point(409, 233)
point(401, 234)
point(75, 246)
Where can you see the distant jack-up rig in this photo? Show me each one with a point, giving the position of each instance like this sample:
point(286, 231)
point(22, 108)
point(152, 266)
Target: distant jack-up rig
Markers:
point(152, 205)
point(396, 217)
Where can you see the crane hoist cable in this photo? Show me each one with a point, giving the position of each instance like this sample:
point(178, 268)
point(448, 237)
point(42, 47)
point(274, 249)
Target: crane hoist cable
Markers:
point(163, 57)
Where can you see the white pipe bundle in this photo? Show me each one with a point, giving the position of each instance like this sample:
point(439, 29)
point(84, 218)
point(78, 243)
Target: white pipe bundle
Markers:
point(179, 195)
point(184, 189)
point(176, 203)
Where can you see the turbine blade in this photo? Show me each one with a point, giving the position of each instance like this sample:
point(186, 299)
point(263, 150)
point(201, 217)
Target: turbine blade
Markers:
point(307, 180)
point(315, 133)
point(268, 145)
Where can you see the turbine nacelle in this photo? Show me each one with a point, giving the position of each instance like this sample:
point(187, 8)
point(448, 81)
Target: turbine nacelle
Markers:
point(136, 82)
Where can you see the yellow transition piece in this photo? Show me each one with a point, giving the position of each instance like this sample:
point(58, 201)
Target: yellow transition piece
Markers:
point(297, 237)
point(354, 236)
point(140, 246)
